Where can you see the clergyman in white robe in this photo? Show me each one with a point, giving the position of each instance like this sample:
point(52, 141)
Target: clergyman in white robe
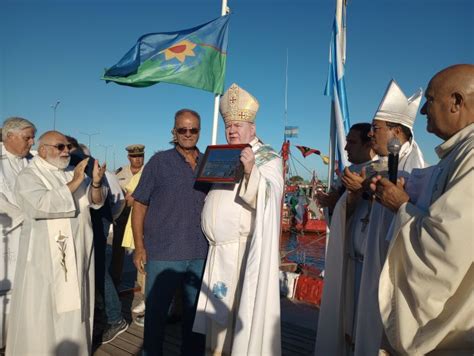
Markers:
point(11, 218)
point(426, 286)
point(346, 235)
point(53, 302)
point(239, 302)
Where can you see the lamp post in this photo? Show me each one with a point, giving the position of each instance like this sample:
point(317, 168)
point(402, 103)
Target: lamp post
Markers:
point(106, 148)
point(54, 107)
point(90, 135)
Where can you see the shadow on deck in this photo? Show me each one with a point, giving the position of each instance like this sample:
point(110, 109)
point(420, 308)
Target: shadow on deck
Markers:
point(299, 323)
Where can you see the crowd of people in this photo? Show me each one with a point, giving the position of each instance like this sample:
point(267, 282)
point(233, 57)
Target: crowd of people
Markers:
point(399, 266)
point(217, 244)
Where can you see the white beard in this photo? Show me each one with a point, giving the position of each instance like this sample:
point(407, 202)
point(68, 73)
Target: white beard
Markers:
point(59, 162)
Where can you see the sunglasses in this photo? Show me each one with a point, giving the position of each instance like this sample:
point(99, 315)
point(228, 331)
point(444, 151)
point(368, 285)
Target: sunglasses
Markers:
point(61, 146)
point(183, 130)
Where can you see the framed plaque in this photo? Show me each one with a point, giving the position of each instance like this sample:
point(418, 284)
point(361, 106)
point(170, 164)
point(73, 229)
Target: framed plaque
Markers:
point(221, 164)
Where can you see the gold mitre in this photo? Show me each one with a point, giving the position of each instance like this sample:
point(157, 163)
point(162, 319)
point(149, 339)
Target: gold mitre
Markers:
point(238, 105)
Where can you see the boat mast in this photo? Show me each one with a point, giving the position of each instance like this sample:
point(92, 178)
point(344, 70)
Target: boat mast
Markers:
point(286, 146)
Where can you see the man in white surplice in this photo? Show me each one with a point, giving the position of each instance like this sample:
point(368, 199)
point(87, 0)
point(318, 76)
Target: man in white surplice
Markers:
point(53, 301)
point(426, 285)
point(340, 268)
point(18, 136)
point(239, 302)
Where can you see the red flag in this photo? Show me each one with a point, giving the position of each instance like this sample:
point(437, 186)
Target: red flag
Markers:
point(306, 151)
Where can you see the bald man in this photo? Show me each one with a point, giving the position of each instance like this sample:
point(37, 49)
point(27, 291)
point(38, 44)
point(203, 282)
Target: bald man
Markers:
point(426, 299)
point(53, 306)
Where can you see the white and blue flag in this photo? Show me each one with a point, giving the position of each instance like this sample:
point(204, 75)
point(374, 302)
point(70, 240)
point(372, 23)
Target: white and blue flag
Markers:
point(336, 89)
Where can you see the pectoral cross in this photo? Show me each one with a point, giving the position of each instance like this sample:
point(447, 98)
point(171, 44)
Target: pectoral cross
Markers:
point(365, 221)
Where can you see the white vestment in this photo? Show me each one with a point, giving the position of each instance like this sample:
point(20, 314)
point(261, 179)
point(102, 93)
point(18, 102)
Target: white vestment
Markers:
point(239, 301)
point(337, 275)
point(338, 320)
point(11, 218)
point(426, 286)
point(52, 307)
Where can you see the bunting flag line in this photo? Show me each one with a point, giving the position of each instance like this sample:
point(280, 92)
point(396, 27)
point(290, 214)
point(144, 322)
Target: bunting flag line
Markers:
point(325, 159)
point(194, 57)
point(306, 151)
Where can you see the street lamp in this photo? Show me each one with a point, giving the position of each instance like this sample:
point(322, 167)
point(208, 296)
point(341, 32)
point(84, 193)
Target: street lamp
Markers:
point(54, 107)
point(90, 135)
point(106, 148)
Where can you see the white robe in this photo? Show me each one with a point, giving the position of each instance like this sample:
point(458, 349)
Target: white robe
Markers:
point(11, 218)
point(332, 316)
point(426, 286)
point(38, 326)
point(239, 302)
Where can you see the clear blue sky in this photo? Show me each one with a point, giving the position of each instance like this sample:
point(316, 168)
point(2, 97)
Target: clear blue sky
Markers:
point(57, 50)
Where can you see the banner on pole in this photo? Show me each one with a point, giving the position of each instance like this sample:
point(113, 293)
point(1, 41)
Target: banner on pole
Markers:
point(291, 131)
point(194, 57)
point(336, 89)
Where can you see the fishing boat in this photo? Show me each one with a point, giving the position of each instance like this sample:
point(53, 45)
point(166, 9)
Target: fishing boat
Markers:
point(303, 236)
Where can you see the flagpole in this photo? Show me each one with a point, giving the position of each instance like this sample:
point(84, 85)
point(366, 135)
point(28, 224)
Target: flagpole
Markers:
point(215, 118)
point(333, 133)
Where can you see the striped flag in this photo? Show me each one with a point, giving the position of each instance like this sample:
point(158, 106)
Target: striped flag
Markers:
point(306, 151)
point(291, 131)
point(336, 89)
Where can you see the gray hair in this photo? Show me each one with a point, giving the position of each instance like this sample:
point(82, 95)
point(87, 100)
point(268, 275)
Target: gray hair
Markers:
point(15, 124)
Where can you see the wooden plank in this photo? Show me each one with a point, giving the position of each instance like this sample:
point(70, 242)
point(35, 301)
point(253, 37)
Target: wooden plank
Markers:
point(296, 340)
point(111, 349)
point(126, 346)
point(136, 330)
point(136, 341)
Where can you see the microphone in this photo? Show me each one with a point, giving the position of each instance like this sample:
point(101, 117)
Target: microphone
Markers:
point(393, 146)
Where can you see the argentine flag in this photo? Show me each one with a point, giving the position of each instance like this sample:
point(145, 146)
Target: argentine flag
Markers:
point(336, 89)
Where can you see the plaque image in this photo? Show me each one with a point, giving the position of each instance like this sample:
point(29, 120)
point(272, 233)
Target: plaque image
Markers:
point(221, 164)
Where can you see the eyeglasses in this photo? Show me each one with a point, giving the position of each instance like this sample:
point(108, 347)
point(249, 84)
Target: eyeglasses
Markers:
point(61, 146)
point(375, 128)
point(184, 130)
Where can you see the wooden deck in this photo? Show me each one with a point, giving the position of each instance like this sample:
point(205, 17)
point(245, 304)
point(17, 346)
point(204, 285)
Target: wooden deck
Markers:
point(297, 340)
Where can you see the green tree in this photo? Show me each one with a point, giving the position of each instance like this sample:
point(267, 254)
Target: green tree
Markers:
point(296, 180)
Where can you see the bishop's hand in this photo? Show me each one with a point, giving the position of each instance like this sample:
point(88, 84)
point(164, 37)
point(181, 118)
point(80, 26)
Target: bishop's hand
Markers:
point(247, 157)
point(388, 194)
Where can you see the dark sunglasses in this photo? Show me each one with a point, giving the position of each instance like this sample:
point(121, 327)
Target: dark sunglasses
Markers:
point(61, 146)
point(183, 130)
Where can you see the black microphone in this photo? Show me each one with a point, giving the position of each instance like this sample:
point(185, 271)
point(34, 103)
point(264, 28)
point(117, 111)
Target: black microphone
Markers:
point(393, 146)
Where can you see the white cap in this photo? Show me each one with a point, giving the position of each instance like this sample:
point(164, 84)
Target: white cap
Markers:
point(396, 107)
